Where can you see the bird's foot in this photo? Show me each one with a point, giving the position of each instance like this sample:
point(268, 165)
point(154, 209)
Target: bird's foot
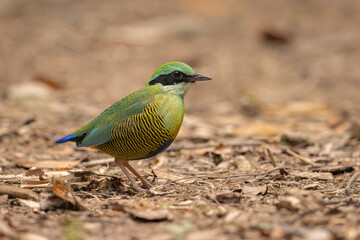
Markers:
point(138, 188)
point(146, 184)
point(123, 165)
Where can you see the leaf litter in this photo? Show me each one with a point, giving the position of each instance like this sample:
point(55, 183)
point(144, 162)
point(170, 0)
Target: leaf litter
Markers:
point(242, 168)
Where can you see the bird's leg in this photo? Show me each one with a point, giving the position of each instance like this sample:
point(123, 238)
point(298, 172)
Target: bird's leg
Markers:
point(121, 164)
point(146, 184)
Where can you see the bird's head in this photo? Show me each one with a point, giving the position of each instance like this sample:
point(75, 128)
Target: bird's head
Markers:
point(176, 77)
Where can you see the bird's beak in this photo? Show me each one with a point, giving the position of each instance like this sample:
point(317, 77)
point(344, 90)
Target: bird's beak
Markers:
point(200, 77)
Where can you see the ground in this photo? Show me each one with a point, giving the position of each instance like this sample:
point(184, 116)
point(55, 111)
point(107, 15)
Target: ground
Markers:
point(269, 149)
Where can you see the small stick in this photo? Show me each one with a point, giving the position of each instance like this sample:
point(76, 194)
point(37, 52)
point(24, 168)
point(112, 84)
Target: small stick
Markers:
point(305, 160)
point(37, 186)
point(350, 182)
point(269, 153)
point(79, 205)
point(17, 192)
point(155, 176)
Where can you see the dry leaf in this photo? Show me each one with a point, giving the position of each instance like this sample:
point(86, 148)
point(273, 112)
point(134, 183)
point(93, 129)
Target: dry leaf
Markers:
point(151, 215)
point(296, 199)
point(34, 172)
point(60, 190)
point(295, 139)
point(29, 203)
point(229, 197)
point(64, 191)
point(50, 164)
point(313, 175)
point(253, 191)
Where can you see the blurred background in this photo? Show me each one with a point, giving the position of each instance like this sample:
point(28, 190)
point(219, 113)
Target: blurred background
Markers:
point(63, 62)
point(285, 75)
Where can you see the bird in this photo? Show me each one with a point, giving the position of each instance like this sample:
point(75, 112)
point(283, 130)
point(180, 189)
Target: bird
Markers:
point(142, 124)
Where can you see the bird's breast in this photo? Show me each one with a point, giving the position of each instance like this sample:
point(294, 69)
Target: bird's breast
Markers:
point(171, 108)
point(148, 133)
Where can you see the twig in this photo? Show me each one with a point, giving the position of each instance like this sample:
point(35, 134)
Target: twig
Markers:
point(327, 190)
point(110, 176)
point(350, 182)
point(37, 186)
point(90, 194)
point(78, 204)
point(269, 153)
point(18, 177)
point(17, 192)
point(155, 176)
point(305, 160)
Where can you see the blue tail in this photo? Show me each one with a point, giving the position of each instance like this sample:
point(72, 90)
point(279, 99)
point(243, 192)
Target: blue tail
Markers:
point(67, 138)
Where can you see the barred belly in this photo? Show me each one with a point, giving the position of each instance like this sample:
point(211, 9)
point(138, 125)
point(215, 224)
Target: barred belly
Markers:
point(139, 136)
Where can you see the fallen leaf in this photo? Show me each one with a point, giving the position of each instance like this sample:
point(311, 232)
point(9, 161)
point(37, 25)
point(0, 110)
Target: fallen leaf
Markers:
point(312, 186)
point(117, 207)
point(296, 199)
point(313, 175)
point(254, 191)
point(64, 191)
point(29, 203)
point(294, 139)
point(229, 197)
point(216, 157)
point(150, 215)
point(60, 190)
point(50, 164)
point(34, 172)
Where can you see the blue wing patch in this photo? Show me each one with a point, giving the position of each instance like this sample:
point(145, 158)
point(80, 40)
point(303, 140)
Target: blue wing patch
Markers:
point(69, 138)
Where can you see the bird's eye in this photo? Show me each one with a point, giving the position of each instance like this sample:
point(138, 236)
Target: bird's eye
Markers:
point(177, 74)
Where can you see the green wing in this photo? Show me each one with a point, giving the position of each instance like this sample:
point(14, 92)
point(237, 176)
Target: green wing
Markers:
point(98, 131)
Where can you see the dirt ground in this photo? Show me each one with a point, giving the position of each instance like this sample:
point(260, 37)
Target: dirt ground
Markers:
point(269, 149)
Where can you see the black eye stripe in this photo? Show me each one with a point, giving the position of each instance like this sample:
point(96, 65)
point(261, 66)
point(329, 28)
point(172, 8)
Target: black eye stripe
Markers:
point(171, 79)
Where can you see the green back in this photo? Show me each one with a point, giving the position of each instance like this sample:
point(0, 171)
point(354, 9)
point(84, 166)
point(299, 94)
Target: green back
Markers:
point(99, 129)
